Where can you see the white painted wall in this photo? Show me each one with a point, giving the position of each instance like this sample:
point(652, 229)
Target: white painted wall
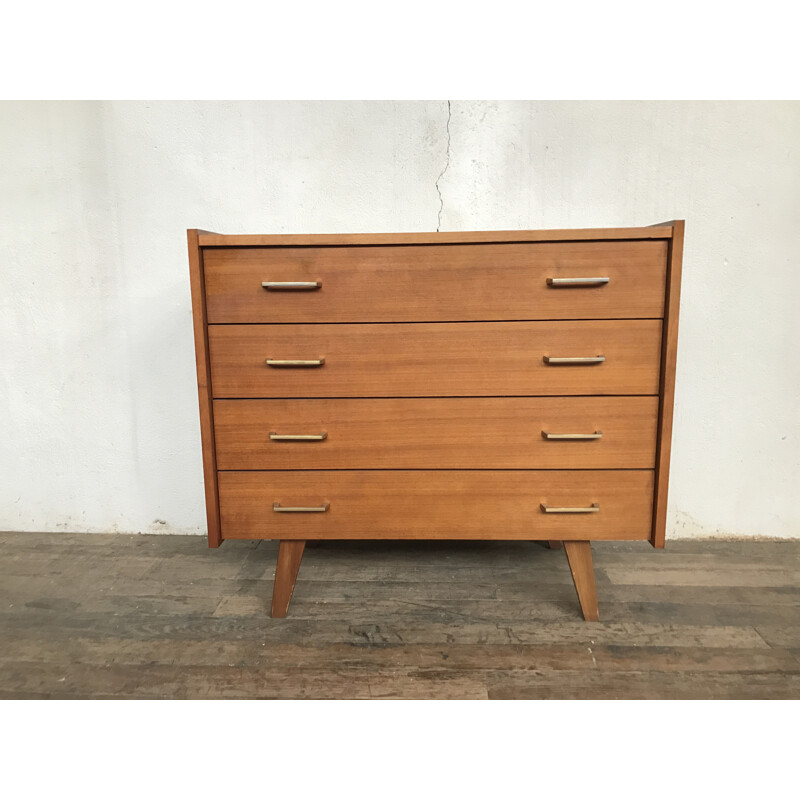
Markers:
point(98, 406)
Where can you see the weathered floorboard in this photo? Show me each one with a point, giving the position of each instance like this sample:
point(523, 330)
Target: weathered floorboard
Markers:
point(153, 616)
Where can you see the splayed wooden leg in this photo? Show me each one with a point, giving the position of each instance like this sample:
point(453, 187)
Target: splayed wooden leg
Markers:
point(579, 556)
point(289, 554)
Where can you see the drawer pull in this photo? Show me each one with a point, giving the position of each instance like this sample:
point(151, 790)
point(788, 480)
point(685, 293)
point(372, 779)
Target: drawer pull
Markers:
point(301, 509)
point(577, 281)
point(595, 435)
point(297, 437)
point(276, 362)
point(592, 509)
point(553, 360)
point(291, 286)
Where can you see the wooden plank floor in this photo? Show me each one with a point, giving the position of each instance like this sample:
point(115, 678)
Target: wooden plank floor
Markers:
point(138, 616)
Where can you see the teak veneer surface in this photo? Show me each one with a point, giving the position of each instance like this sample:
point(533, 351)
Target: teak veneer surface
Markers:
point(200, 324)
point(447, 504)
point(437, 283)
point(436, 359)
point(435, 390)
point(437, 433)
point(669, 357)
point(208, 240)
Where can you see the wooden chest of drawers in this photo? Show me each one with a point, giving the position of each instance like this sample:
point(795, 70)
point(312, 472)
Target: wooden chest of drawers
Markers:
point(491, 385)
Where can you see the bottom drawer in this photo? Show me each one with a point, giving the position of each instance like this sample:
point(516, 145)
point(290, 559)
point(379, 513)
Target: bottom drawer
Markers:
point(441, 504)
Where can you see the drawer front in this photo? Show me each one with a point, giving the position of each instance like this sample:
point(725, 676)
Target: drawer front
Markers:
point(437, 433)
point(421, 504)
point(436, 282)
point(436, 359)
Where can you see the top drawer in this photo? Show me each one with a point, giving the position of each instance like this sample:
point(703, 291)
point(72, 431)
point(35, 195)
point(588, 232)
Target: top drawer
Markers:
point(436, 283)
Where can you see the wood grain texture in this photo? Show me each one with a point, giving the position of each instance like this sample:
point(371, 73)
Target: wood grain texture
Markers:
point(669, 354)
point(289, 556)
point(437, 283)
point(80, 618)
point(451, 504)
point(437, 433)
point(434, 390)
point(467, 237)
point(579, 556)
point(436, 359)
point(204, 390)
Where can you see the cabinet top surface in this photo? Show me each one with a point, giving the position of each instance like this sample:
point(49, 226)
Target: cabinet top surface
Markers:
point(208, 239)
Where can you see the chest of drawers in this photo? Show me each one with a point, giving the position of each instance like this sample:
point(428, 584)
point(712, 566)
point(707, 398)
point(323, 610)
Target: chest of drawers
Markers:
point(488, 385)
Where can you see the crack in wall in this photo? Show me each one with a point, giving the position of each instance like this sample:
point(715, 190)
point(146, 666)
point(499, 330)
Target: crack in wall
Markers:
point(441, 174)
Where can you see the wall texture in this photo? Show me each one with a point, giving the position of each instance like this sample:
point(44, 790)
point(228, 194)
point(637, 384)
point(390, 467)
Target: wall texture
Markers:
point(98, 406)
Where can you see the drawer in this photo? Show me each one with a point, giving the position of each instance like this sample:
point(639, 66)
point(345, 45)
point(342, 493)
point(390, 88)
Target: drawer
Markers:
point(436, 359)
point(437, 433)
point(422, 504)
point(436, 282)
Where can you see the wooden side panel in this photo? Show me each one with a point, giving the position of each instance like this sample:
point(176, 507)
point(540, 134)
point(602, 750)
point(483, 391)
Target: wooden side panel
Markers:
point(429, 283)
point(204, 388)
point(437, 433)
point(445, 504)
point(436, 359)
point(669, 352)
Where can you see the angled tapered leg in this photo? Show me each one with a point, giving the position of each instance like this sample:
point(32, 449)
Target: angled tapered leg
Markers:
point(290, 551)
point(579, 556)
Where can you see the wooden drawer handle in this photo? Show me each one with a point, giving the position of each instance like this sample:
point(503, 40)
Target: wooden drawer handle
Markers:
point(581, 436)
point(301, 509)
point(592, 509)
point(572, 282)
point(277, 362)
point(297, 437)
point(555, 361)
point(291, 286)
